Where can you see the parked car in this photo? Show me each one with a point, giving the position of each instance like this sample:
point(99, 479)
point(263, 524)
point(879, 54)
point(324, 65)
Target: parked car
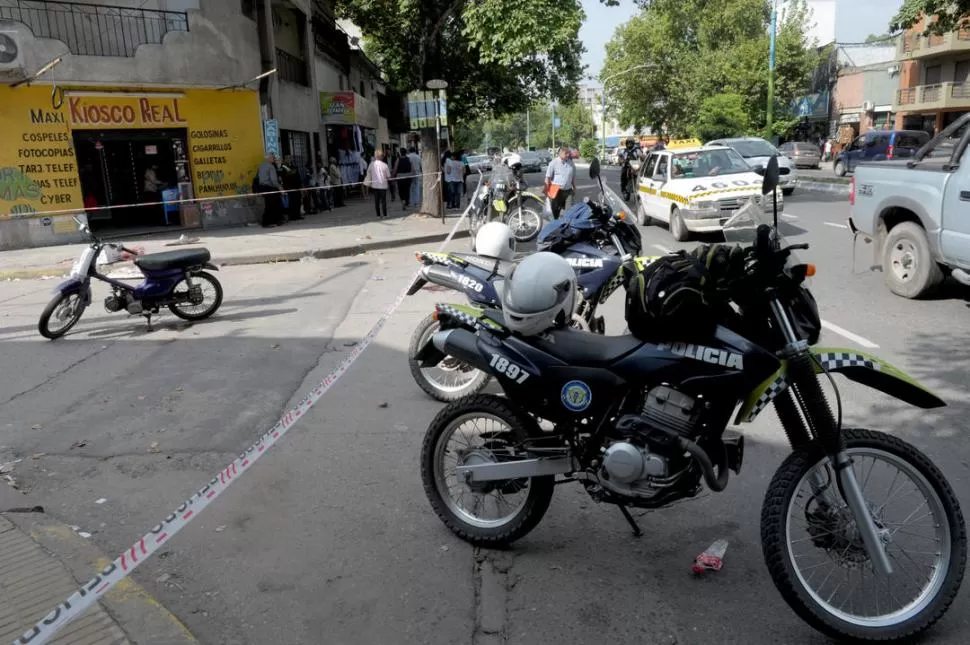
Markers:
point(757, 151)
point(914, 212)
point(802, 153)
point(878, 145)
point(480, 163)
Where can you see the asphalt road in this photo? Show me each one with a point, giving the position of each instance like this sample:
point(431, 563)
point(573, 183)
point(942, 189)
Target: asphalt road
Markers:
point(330, 538)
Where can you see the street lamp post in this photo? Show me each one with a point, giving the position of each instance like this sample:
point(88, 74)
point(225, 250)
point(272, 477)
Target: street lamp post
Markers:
point(603, 101)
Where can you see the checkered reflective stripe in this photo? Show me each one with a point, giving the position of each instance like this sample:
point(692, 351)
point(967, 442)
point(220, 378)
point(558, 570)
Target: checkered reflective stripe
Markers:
point(838, 360)
point(775, 388)
point(466, 316)
point(438, 258)
point(615, 283)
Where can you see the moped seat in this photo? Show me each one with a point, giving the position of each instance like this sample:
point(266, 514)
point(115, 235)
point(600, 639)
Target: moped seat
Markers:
point(172, 259)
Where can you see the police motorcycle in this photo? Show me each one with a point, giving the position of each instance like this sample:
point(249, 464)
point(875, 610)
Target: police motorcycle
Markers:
point(595, 238)
point(628, 171)
point(504, 197)
point(861, 532)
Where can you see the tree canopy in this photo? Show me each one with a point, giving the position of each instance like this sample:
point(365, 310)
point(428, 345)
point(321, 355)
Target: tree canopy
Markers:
point(701, 49)
point(509, 131)
point(950, 15)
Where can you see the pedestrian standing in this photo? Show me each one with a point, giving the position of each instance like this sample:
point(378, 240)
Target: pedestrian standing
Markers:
point(404, 172)
point(392, 163)
point(417, 172)
point(268, 183)
point(453, 170)
point(377, 179)
point(292, 184)
point(336, 184)
point(560, 180)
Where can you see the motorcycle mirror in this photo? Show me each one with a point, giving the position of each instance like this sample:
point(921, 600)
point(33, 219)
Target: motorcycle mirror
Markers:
point(759, 170)
point(771, 176)
point(594, 168)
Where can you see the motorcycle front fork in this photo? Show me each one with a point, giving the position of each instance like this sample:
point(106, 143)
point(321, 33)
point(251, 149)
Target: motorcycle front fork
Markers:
point(820, 425)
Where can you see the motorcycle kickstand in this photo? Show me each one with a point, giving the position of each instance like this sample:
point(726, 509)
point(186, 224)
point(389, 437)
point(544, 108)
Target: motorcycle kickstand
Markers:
point(632, 522)
point(148, 319)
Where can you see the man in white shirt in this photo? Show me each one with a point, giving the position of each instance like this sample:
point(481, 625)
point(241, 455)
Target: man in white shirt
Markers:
point(416, 172)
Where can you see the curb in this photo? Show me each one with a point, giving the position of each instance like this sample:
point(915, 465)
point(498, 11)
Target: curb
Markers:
point(824, 187)
point(137, 613)
point(255, 258)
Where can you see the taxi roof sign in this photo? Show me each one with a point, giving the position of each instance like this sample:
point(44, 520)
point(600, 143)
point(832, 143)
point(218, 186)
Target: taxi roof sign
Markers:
point(674, 144)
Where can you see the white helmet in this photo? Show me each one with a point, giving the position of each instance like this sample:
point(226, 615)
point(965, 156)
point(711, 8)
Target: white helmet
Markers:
point(495, 240)
point(513, 160)
point(539, 293)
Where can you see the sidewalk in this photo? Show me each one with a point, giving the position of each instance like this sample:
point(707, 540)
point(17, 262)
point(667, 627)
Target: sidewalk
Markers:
point(42, 562)
point(349, 230)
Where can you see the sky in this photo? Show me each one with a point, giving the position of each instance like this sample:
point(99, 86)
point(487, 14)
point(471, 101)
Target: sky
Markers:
point(856, 20)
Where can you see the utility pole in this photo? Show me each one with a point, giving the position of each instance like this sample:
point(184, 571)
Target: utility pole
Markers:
point(771, 73)
point(527, 127)
point(553, 107)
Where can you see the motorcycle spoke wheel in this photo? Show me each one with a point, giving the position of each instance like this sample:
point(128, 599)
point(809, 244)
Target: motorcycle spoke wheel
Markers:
point(525, 225)
point(450, 379)
point(60, 315)
point(211, 298)
point(817, 558)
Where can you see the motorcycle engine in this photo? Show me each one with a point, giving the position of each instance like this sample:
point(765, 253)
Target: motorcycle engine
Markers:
point(631, 466)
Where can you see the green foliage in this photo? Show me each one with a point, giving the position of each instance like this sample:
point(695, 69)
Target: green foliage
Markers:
point(509, 131)
point(721, 115)
point(589, 149)
point(879, 38)
point(950, 15)
point(701, 49)
point(497, 55)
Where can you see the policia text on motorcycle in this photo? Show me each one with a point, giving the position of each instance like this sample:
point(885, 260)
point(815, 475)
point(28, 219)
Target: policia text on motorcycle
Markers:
point(560, 180)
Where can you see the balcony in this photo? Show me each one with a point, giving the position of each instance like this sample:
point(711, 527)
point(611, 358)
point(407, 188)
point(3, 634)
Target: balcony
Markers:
point(940, 96)
point(916, 47)
point(290, 68)
point(94, 30)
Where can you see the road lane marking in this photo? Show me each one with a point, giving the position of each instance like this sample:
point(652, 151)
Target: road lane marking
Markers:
point(835, 225)
point(662, 249)
point(787, 216)
point(845, 333)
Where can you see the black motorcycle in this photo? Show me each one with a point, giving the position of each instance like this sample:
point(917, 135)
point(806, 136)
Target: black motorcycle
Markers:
point(643, 424)
point(506, 199)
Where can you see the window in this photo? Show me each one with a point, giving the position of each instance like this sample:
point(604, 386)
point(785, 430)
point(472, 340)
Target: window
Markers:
point(296, 144)
point(662, 166)
point(249, 9)
point(933, 75)
point(362, 92)
point(646, 169)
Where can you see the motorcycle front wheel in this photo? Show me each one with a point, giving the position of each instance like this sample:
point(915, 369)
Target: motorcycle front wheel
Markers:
point(450, 379)
point(211, 294)
point(60, 314)
point(816, 557)
point(527, 224)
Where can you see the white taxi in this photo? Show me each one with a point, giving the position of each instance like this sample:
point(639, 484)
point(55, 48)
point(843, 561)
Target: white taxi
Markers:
point(697, 189)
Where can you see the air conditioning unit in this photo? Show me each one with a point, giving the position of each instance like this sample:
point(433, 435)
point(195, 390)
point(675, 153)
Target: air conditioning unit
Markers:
point(11, 58)
point(867, 106)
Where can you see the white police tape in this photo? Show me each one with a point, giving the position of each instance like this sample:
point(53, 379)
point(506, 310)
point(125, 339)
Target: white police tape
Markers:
point(141, 550)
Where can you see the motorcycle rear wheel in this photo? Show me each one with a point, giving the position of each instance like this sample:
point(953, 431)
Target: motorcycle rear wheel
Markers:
point(477, 379)
point(510, 426)
point(831, 532)
point(60, 300)
point(181, 309)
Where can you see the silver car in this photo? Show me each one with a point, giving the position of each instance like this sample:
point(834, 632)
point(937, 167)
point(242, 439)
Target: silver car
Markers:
point(804, 154)
point(756, 151)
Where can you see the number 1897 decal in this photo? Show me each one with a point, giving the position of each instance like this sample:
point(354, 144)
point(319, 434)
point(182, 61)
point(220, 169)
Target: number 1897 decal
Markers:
point(507, 367)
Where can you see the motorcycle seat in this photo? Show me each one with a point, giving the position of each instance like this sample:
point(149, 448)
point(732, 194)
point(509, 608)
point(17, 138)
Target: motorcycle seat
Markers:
point(172, 259)
point(586, 348)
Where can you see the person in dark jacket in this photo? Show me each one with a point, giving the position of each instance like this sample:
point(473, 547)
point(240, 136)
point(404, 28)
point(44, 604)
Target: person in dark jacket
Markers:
point(290, 178)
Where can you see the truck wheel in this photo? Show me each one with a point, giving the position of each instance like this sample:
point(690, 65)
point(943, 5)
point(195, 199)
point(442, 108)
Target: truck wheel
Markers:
point(911, 271)
point(840, 169)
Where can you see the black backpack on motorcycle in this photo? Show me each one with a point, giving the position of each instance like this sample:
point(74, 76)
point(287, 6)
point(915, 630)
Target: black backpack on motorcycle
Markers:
point(681, 295)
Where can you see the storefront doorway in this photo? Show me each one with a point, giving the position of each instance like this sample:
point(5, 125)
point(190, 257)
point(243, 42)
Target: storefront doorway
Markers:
point(123, 167)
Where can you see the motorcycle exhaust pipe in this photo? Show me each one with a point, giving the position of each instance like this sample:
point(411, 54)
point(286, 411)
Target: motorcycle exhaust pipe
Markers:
point(441, 275)
point(461, 344)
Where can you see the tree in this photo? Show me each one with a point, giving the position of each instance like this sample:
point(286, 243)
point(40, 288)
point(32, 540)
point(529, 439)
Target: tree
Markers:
point(589, 148)
point(878, 38)
point(950, 15)
point(496, 55)
point(510, 130)
point(721, 115)
point(701, 49)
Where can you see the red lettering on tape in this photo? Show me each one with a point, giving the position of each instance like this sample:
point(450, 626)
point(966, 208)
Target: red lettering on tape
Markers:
point(245, 463)
point(211, 494)
point(124, 563)
point(101, 588)
point(161, 538)
point(188, 515)
point(276, 435)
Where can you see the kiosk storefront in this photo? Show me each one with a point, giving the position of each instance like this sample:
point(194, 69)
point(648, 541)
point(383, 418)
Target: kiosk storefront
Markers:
point(100, 150)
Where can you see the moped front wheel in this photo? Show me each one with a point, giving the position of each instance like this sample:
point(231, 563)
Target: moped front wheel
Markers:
point(60, 315)
point(199, 300)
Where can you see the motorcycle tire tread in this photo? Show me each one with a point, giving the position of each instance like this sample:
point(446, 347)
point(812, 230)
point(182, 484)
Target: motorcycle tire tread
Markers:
point(540, 488)
point(45, 317)
point(474, 386)
point(775, 547)
point(211, 279)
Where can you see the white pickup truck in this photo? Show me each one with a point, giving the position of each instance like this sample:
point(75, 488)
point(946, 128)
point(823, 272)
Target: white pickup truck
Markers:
point(916, 213)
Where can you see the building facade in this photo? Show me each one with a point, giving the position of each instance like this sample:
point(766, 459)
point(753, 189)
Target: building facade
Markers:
point(864, 92)
point(934, 83)
point(141, 103)
point(591, 97)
